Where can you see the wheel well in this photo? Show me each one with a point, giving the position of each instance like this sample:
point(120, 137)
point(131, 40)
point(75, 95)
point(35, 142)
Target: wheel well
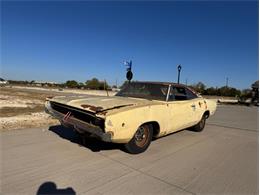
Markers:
point(206, 114)
point(156, 127)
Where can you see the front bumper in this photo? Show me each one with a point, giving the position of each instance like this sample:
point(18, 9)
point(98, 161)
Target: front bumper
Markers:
point(78, 125)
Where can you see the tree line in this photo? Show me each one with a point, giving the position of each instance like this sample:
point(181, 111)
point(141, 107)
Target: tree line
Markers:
point(219, 91)
point(96, 84)
point(93, 83)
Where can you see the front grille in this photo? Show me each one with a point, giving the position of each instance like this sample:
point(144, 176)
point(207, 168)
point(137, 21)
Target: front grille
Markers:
point(78, 114)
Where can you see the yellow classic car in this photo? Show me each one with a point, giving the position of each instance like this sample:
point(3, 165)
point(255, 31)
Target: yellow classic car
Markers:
point(139, 112)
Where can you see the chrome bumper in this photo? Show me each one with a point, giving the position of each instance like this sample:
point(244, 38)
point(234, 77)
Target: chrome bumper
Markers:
point(78, 125)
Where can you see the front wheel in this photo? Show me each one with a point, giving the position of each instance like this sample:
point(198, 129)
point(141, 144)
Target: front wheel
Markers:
point(200, 126)
point(141, 140)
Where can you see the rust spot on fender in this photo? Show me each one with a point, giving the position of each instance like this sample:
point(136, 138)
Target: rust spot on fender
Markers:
point(102, 113)
point(93, 108)
point(206, 107)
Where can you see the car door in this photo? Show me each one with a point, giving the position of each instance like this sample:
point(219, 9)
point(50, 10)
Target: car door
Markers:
point(197, 104)
point(181, 109)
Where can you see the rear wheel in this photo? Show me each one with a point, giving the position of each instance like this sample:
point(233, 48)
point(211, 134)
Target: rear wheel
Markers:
point(200, 126)
point(141, 140)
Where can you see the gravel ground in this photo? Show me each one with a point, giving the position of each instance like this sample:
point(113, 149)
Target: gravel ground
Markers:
point(20, 109)
point(35, 119)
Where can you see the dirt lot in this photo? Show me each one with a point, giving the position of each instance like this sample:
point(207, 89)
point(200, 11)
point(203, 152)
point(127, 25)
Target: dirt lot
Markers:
point(23, 109)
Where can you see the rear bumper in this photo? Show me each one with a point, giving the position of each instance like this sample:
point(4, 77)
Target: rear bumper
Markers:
point(78, 125)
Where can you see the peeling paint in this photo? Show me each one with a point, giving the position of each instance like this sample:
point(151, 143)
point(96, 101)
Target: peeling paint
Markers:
point(92, 108)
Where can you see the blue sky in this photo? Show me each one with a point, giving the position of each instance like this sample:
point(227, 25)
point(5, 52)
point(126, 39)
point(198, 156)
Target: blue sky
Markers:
point(64, 40)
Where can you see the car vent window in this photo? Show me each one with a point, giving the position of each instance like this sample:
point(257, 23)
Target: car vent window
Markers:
point(190, 95)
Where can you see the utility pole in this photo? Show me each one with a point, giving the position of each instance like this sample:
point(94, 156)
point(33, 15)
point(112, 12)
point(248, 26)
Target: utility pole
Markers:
point(105, 87)
point(227, 82)
point(179, 72)
point(186, 82)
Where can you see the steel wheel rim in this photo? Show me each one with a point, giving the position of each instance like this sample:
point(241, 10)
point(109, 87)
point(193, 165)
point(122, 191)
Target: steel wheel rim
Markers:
point(141, 136)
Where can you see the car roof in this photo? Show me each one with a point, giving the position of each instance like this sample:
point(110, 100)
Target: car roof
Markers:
point(160, 83)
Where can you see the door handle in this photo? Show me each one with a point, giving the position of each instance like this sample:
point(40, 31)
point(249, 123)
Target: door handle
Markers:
point(193, 106)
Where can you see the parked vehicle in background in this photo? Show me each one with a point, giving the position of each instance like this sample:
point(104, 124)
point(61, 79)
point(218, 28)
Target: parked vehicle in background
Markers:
point(3, 82)
point(139, 112)
point(250, 96)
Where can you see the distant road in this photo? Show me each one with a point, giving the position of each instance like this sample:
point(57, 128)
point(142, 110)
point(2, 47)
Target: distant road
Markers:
point(223, 159)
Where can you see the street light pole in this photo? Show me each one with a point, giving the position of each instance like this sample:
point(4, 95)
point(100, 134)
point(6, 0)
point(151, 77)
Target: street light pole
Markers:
point(179, 72)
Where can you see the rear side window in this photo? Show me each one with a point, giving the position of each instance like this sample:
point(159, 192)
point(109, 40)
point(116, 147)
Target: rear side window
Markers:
point(177, 94)
point(180, 94)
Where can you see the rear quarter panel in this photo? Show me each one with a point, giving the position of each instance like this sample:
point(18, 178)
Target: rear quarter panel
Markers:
point(212, 106)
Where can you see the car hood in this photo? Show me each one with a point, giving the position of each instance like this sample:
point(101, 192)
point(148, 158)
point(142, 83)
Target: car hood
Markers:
point(98, 104)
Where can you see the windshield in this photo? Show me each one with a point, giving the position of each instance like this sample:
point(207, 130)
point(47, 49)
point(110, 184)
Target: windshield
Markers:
point(144, 90)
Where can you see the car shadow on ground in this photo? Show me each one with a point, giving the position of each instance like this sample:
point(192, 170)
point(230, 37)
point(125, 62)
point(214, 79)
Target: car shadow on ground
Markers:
point(89, 142)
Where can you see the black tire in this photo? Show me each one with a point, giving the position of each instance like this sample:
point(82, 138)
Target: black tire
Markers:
point(141, 140)
point(200, 126)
